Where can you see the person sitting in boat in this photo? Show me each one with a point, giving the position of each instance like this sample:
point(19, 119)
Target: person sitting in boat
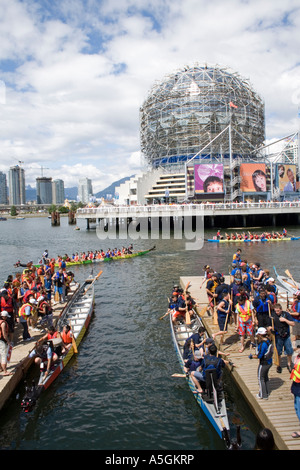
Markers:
point(44, 355)
point(191, 366)
point(66, 336)
point(219, 236)
point(194, 342)
point(181, 307)
point(211, 361)
point(284, 232)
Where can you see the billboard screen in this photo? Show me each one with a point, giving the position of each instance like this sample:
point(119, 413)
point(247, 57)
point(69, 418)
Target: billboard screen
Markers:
point(286, 177)
point(209, 178)
point(253, 177)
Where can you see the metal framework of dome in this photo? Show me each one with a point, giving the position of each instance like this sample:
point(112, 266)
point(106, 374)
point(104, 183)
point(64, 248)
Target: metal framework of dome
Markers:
point(190, 107)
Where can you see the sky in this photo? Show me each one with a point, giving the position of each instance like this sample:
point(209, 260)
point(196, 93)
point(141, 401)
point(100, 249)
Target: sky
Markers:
point(74, 74)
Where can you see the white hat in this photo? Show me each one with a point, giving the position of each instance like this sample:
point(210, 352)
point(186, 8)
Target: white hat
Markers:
point(32, 301)
point(271, 279)
point(41, 298)
point(4, 313)
point(261, 331)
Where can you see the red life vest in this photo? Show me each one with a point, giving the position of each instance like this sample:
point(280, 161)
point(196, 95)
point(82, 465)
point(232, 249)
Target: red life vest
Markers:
point(50, 336)
point(7, 304)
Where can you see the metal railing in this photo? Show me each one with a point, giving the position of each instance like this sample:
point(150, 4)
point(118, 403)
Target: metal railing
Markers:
point(173, 208)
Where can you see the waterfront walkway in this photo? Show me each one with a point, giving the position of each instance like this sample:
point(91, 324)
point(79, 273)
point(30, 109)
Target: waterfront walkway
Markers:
point(207, 209)
point(20, 362)
point(240, 214)
point(277, 413)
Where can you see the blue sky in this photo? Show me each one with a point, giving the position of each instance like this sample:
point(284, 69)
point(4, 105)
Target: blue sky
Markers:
point(74, 74)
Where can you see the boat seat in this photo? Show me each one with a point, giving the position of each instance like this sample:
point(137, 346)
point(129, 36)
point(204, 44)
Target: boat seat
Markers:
point(211, 379)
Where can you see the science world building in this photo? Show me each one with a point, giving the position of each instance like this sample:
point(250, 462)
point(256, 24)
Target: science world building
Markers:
point(202, 135)
point(190, 107)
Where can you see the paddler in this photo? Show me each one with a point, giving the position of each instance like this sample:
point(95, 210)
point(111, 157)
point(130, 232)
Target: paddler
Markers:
point(210, 290)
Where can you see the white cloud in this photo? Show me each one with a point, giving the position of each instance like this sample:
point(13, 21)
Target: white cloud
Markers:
point(76, 73)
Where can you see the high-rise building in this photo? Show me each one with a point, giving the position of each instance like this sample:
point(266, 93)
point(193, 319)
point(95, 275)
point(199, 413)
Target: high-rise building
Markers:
point(58, 192)
point(85, 190)
point(3, 188)
point(44, 190)
point(17, 185)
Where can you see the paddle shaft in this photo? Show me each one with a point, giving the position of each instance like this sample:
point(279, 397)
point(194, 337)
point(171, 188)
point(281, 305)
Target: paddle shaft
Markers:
point(95, 279)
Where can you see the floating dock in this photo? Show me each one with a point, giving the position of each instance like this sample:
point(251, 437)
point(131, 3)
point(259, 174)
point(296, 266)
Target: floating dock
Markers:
point(277, 413)
point(20, 362)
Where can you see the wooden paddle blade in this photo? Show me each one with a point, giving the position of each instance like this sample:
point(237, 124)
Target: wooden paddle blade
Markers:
point(187, 318)
point(164, 315)
point(275, 352)
point(178, 375)
point(203, 311)
point(56, 296)
point(74, 346)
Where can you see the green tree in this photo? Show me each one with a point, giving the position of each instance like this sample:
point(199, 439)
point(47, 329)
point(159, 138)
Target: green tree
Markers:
point(13, 211)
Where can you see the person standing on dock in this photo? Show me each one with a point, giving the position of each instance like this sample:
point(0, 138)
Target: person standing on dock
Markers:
point(295, 388)
point(246, 320)
point(4, 341)
point(282, 322)
point(264, 354)
point(211, 286)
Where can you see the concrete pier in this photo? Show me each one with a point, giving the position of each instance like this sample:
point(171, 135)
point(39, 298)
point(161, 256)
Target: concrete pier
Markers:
point(277, 413)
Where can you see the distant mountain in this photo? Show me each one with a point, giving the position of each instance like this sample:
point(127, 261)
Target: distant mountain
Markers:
point(111, 189)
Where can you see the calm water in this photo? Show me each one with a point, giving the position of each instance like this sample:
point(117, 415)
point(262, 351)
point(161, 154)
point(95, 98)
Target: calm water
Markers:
point(117, 393)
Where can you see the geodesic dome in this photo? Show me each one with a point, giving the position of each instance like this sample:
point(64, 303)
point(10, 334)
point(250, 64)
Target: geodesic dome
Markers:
point(191, 106)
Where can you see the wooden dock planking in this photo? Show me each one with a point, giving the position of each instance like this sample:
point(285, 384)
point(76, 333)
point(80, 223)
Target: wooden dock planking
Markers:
point(277, 413)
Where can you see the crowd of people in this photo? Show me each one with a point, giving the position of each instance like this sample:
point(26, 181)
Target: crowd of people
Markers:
point(250, 303)
point(27, 298)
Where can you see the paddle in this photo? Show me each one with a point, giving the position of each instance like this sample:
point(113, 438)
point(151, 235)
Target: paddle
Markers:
point(73, 339)
point(168, 313)
point(215, 313)
point(291, 277)
point(204, 310)
point(187, 313)
point(275, 352)
point(224, 330)
point(178, 375)
point(95, 279)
